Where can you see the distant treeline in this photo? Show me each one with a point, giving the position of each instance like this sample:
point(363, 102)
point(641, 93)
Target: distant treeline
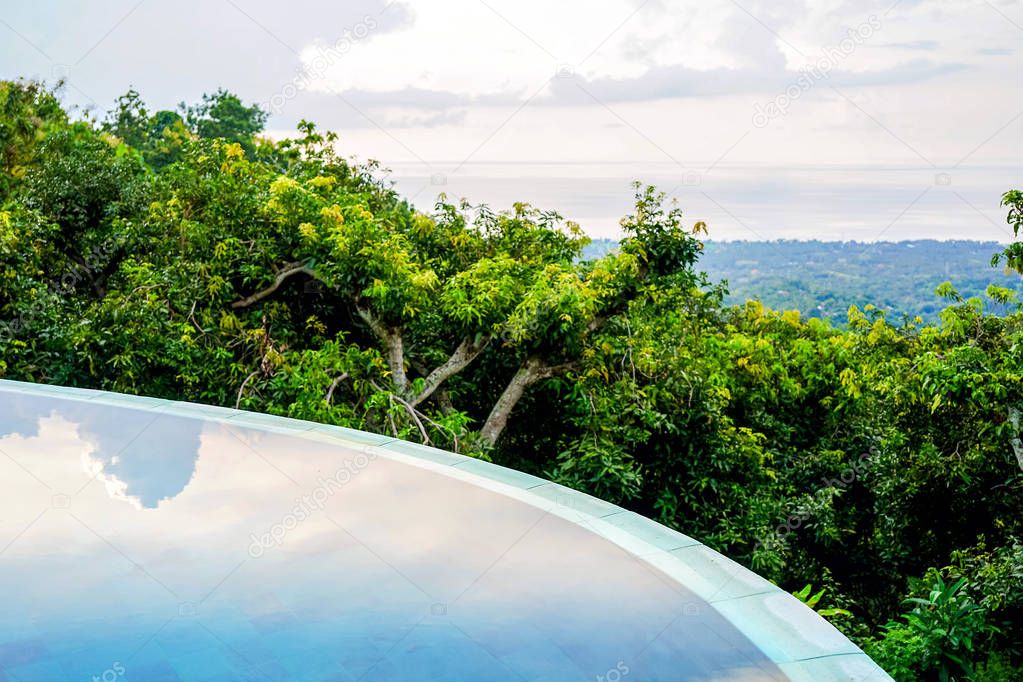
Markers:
point(823, 279)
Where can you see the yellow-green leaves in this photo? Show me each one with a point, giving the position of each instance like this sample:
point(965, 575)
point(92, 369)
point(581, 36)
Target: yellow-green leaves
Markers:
point(309, 232)
point(554, 309)
point(323, 183)
point(234, 156)
point(484, 295)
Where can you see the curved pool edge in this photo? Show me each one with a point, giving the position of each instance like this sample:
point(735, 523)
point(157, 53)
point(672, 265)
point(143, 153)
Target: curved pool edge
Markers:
point(800, 642)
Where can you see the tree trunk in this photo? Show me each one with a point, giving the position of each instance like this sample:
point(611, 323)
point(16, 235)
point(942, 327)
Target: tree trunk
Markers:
point(498, 419)
point(530, 372)
point(394, 344)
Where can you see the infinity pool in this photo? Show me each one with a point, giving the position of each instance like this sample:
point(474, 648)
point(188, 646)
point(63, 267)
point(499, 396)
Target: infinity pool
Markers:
point(150, 541)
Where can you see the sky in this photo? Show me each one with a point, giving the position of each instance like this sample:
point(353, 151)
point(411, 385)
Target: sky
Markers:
point(831, 119)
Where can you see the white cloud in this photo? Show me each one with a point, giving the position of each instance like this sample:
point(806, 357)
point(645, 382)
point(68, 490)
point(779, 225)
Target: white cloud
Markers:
point(493, 49)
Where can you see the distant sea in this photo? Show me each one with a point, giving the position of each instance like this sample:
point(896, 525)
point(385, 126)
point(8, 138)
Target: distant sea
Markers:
point(860, 203)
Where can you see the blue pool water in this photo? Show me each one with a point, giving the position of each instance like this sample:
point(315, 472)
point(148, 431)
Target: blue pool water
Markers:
point(141, 545)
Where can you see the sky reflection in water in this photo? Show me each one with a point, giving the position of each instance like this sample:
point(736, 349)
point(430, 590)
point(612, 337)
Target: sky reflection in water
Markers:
point(150, 547)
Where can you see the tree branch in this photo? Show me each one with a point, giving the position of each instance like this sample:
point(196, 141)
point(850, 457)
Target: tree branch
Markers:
point(466, 352)
point(414, 413)
point(443, 400)
point(371, 320)
point(442, 429)
point(191, 317)
point(290, 270)
point(241, 389)
point(333, 385)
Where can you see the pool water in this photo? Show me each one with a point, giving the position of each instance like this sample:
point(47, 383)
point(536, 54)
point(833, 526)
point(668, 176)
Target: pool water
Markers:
point(139, 543)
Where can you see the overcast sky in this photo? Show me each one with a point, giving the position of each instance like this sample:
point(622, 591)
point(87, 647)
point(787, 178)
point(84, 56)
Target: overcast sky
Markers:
point(696, 88)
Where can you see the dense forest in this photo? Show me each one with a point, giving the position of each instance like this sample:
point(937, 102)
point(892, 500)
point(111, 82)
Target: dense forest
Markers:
point(825, 279)
point(873, 468)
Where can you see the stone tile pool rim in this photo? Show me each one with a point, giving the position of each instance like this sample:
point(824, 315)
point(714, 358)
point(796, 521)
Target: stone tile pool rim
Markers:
point(803, 645)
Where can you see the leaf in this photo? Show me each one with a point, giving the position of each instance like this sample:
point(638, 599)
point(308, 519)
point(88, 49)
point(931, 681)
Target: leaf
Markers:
point(831, 613)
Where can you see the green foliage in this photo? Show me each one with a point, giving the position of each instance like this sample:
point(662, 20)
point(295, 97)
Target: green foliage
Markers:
point(940, 635)
point(159, 137)
point(222, 115)
point(1013, 254)
point(811, 599)
point(601, 468)
point(28, 112)
point(83, 182)
point(184, 258)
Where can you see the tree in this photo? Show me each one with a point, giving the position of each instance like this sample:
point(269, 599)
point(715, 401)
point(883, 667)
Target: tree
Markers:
point(87, 187)
point(28, 112)
point(130, 120)
point(158, 137)
point(511, 283)
point(222, 115)
point(1013, 254)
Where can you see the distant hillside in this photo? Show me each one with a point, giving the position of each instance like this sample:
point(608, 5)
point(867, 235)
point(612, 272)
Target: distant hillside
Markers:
point(822, 279)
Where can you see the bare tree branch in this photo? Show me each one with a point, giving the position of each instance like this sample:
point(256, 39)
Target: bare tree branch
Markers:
point(466, 352)
point(191, 317)
point(371, 320)
point(333, 385)
point(440, 396)
point(442, 429)
point(241, 389)
point(414, 413)
point(289, 270)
